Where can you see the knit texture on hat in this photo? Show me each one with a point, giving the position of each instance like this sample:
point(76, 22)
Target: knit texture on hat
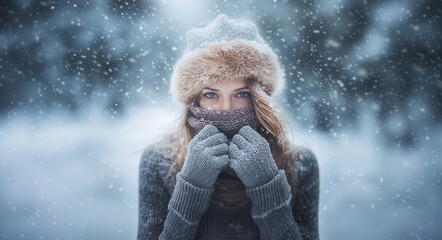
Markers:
point(220, 51)
point(222, 29)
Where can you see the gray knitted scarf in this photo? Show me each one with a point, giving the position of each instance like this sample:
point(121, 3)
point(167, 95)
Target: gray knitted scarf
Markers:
point(227, 121)
point(229, 190)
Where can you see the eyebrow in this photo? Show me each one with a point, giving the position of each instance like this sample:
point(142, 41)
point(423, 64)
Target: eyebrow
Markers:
point(216, 90)
point(211, 89)
point(242, 88)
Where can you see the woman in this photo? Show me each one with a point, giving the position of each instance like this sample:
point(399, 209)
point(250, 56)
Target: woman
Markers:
point(229, 172)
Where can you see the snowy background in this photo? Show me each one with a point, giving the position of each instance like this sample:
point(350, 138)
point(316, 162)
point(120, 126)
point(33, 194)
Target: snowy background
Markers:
point(84, 88)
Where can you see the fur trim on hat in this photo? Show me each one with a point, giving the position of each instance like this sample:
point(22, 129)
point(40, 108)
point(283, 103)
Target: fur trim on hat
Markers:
point(224, 61)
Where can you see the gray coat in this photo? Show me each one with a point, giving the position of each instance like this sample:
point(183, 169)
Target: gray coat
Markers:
point(273, 216)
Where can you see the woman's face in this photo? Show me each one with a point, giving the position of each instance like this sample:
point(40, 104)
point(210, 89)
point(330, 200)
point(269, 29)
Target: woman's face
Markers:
point(231, 94)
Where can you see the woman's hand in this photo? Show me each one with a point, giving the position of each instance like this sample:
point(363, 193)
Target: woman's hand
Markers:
point(206, 157)
point(251, 158)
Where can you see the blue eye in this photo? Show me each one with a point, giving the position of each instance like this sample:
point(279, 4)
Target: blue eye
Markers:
point(243, 94)
point(209, 95)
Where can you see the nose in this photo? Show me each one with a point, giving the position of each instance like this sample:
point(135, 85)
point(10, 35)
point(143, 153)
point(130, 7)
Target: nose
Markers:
point(227, 104)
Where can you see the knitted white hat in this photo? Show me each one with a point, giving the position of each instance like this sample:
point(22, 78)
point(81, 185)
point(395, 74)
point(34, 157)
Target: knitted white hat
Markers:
point(220, 51)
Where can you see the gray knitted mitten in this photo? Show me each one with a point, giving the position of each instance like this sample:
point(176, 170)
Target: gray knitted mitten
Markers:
point(251, 158)
point(206, 157)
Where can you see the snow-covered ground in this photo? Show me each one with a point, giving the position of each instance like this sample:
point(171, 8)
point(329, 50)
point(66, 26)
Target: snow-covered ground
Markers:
point(64, 177)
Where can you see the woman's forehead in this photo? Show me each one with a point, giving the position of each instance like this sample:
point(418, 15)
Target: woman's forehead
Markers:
point(233, 84)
